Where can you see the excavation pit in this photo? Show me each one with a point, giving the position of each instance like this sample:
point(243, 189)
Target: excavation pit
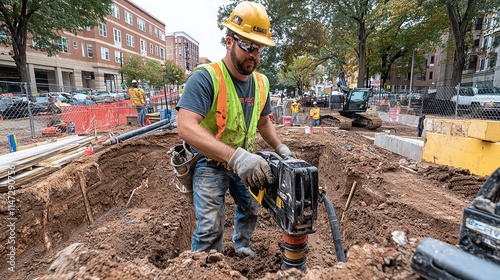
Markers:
point(118, 215)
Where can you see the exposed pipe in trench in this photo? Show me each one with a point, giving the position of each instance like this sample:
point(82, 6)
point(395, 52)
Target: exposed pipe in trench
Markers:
point(334, 226)
point(140, 131)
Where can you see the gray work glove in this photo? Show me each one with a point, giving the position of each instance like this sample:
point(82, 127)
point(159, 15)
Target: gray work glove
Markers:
point(251, 168)
point(283, 151)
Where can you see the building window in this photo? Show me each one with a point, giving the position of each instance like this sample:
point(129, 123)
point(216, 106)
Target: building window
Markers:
point(432, 60)
point(162, 53)
point(141, 25)
point(75, 45)
point(102, 30)
point(83, 49)
point(487, 23)
point(128, 18)
point(156, 50)
point(150, 29)
point(117, 34)
point(90, 54)
point(151, 48)
point(162, 35)
point(479, 23)
point(472, 62)
point(63, 45)
point(118, 56)
point(104, 53)
point(485, 42)
point(430, 75)
point(156, 32)
point(115, 11)
point(130, 40)
point(482, 63)
point(398, 76)
point(493, 60)
point(144, 48)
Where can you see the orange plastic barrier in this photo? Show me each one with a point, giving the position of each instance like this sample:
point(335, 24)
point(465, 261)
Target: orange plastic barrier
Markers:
point(101, 115)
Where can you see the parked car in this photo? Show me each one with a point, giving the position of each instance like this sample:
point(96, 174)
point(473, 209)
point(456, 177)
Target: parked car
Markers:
point(435, 106)
point(75, 99)
point(22, 109)
point(479, 102)
point(107, 96)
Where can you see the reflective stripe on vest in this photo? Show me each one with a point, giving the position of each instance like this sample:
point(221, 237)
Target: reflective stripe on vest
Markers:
point(136, 97)
point(222, 98)
point(233, 130)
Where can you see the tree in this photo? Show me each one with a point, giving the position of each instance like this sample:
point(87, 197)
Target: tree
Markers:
point(409, 25)
point(152, 72)
point(461, 14)
point(297, 74)
point(42, 22)
point(174, 74)
point(136, 67)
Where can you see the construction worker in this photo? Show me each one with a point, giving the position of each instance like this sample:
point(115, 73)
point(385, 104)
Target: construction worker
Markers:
point(294, 108)
point(137, 97)
point(315, 114)
point(223, 105)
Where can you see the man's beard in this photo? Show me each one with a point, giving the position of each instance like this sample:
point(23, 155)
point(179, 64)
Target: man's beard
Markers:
point(240, 65)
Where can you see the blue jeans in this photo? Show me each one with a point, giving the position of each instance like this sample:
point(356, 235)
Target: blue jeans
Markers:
point(295, 118)
point(315, 122)
point(141, 115)
point(210, 184)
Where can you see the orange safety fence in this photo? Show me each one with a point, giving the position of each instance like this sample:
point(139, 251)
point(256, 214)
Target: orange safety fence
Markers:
point(100, 116)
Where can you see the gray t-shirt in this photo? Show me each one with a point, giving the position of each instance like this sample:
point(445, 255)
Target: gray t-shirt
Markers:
point(198, 95)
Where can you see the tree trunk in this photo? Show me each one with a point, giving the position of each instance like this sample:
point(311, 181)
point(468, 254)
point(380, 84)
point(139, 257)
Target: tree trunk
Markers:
point(362, 54)
point(458, 65)
point(19, 42)
point(459, 29)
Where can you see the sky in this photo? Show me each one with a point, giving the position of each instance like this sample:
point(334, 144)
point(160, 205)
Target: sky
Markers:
point(197, 18)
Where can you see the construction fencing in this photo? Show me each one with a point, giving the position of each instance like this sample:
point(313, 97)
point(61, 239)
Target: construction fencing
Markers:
point(451, 102)
point(25, 119)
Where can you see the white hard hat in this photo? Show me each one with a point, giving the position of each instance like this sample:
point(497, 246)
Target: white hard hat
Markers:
point(294, 102)
point(314, 103)
point(134, 81)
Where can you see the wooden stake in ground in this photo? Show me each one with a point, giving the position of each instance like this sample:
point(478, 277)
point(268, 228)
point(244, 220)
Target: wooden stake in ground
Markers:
point(348, 200)
point(83, 186)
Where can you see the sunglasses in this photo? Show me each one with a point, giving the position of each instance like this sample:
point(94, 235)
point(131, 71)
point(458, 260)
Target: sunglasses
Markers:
point(248, 46)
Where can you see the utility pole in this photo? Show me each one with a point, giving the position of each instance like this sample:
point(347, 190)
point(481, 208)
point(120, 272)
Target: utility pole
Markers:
point(411, 70)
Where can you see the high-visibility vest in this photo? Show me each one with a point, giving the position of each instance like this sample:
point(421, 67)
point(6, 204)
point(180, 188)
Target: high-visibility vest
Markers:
point(225, 119)
point(315, 113)
point(136, 96)
point(294, 108)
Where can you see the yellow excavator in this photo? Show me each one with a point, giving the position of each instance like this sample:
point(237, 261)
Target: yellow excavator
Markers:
point(350, 106)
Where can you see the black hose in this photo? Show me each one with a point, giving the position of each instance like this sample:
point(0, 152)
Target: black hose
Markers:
point(334, 225)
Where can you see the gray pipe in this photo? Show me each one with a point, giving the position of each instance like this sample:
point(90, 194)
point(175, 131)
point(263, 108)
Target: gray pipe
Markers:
point(136, 132)
point(334, 226)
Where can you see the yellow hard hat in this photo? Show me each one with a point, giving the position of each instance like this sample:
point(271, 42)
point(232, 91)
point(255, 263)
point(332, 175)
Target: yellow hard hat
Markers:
point(250, 20)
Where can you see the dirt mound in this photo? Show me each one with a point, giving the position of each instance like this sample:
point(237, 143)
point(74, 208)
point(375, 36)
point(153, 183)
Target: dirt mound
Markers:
point(141, 224)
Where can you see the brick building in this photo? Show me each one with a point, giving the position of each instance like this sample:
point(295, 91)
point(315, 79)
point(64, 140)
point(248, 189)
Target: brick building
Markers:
point(183, 49)
point(92, 58)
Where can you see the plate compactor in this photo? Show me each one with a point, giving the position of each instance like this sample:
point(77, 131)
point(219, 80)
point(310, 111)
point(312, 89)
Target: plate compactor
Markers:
point(292, 200)
point(478, 253)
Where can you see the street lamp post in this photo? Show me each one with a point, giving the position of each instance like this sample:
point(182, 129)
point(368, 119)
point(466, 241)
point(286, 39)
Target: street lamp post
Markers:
point(166, 99)
point(121, 66)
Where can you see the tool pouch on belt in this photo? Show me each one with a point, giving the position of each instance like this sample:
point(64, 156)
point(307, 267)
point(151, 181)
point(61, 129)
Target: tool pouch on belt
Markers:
point(183, 161)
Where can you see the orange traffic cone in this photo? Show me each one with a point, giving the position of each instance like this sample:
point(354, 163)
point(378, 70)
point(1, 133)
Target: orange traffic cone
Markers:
point(147, 122)
point(89, 150)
